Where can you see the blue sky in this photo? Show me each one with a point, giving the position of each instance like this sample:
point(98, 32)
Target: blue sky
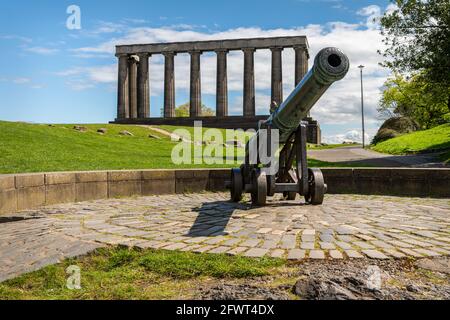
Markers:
point(51, 74)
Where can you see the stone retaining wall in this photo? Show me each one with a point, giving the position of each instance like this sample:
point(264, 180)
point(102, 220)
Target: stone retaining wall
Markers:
point(27, 191)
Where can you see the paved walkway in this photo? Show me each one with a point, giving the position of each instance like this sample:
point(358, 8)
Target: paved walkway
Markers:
point(357, 155)
point(346, 226)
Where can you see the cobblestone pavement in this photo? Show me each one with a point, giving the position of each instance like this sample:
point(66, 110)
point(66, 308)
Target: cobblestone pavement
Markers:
point(346, 226)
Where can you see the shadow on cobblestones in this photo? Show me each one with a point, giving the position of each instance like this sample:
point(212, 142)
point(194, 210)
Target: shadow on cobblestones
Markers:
point(211, 221)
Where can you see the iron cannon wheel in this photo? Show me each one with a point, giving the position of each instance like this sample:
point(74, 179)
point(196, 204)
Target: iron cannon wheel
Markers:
point(317, 187)
point(237, 185)
point(259, 187)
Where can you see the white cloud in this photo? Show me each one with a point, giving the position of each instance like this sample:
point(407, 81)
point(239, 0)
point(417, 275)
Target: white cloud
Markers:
point(21, 80)
point(42, 50)
point(349, 136)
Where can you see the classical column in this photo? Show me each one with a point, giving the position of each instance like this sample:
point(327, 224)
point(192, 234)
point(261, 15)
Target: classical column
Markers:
point(132, 81)
point(301, 64)
point(249, 82)
point(122, 88)
point(277, 78)
point(222, 84)
point(169, 85)
point(143, 88)
point(196, 92)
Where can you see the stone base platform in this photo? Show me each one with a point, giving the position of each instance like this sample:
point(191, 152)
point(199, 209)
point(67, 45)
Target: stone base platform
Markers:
point(230, 122)
point(346, 226)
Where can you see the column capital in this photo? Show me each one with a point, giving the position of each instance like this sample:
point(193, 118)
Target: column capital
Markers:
point(144, 55)
point(195, 52)
point(121, 55)
point(303, 49)
point(249, 50)
point(276, 49)
point(169, 54)
point(221, 50)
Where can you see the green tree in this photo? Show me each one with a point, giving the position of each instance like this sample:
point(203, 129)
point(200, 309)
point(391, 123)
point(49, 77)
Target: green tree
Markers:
point(417, 39)
point(415, 98)
point(183, 111)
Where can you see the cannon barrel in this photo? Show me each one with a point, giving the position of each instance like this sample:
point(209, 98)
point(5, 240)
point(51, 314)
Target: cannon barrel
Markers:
point(330, 65)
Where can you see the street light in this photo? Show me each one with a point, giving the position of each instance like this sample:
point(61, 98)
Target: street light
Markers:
point(361, 67)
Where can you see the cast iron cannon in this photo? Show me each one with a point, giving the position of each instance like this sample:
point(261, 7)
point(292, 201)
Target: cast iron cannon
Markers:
point(330, 65)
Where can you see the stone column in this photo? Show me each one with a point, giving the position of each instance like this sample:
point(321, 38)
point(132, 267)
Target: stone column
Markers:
point(143, 93)
point(196, 92)
point(169, 85)
point(122, 88)
point(249, 82)
point(301, 64)
point(132, 75)
point(222, 84)
point(277, 78)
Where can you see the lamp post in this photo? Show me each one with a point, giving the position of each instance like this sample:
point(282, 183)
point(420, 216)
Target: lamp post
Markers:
point(361, 67)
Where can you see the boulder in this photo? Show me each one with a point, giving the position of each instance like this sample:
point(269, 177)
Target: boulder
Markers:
point(102, 130)
point(394, 127)
point(152, 136)
point(126, 133)
point(80, 128)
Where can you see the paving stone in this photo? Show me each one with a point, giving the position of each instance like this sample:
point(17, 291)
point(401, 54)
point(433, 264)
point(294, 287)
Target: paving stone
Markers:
point(221, 249)
point(327, 245)
point(344, 245)
point(317, 254)
point(335, 254)
point(374, 254)
point(256, 252)
point(363, 245)
point(353, 254)
point(250, 243)
point(296, 254)
point(175, 246)
point(237, 250)
point(410, 252)
point(426, 252)
point(307, 245)
point(277, 253)
point(394, 253)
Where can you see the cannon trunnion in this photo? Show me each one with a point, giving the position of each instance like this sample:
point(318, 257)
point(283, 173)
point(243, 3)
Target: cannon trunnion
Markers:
point(293, 175)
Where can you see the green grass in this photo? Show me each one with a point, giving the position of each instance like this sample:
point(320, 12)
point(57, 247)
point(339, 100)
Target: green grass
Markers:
point(120, 273)
point(330, 146)
point(434, 139)
point(42, 148)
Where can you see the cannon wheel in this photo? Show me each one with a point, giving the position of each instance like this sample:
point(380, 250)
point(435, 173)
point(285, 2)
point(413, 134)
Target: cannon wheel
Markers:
point(259, 187)
point(237, 185)
point(317, 187)
point(289, 195)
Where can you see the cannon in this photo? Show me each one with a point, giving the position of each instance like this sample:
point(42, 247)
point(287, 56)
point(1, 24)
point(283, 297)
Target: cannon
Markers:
point(290, 179)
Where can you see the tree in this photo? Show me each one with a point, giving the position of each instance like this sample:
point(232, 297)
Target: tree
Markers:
point(417, 39)
point(183, 111)
point(414, 98)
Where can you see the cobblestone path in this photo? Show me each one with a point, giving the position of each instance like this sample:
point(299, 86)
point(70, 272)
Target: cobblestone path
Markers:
point(346, 226)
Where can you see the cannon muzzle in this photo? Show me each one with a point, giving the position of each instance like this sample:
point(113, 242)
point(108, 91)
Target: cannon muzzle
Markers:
point(330, 65)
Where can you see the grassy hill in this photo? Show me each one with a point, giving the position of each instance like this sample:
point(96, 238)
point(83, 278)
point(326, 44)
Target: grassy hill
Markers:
point(38, 148)
point(435, 139)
